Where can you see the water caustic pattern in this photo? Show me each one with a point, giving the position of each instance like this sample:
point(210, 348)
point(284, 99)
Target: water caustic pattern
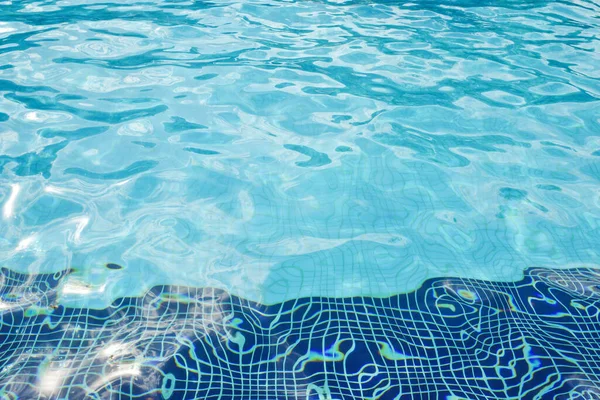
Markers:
point(285, 150)
point(451, 339)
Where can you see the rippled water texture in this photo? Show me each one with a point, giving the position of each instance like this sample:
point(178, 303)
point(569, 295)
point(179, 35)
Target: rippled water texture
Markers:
point(281, 149)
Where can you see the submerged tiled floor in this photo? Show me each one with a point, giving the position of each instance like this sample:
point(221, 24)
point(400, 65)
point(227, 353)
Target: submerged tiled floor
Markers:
point(538, 338)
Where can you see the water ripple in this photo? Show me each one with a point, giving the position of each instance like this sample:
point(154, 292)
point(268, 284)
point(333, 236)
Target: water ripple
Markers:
point(280, 149)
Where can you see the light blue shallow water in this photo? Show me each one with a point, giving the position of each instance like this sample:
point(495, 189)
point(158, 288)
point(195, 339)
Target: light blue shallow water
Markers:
point(279, 150)
point(286, 149)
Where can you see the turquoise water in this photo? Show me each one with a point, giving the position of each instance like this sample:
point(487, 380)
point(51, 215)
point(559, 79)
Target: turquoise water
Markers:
point(278, 150)
point(286, 149)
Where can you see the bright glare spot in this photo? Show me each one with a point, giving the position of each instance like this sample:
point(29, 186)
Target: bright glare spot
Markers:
point(24, 244)
point(51, 380)
point(113, 350)
point(75, 287)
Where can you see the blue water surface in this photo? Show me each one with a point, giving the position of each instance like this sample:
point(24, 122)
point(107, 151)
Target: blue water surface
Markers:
point(285, 150)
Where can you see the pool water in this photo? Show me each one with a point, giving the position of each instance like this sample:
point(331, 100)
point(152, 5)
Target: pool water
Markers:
point(326, 200)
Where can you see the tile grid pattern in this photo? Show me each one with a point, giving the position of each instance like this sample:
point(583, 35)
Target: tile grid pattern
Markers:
point(452, 338)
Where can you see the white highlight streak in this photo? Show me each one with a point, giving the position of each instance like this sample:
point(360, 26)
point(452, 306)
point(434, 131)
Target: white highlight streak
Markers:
point(9, 207)
point(81, 223)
